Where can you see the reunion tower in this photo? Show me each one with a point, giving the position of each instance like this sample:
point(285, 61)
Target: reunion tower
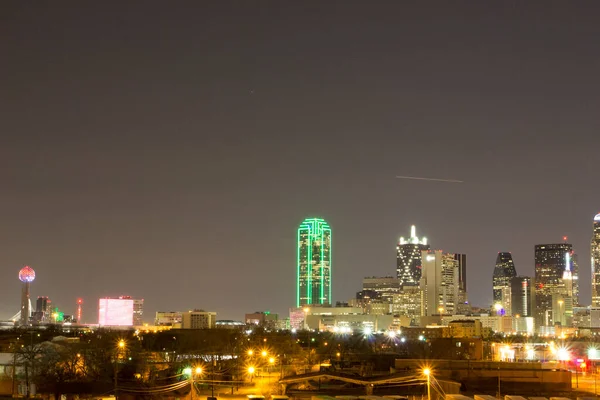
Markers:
point(26, 275)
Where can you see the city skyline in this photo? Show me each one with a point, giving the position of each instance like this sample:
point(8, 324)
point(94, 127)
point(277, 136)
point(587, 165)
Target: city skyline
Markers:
point(318, 226)
point(196, 138)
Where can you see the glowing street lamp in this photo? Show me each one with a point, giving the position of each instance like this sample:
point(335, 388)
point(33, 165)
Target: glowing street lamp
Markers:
point(427, 372)
point(251, 371)
point(188, 371)
point(562, 354)
point(120, 346)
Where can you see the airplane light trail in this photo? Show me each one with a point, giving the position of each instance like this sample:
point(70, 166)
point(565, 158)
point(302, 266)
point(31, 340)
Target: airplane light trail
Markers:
point(428, 179)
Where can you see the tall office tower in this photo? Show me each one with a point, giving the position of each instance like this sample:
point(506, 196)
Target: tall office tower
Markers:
point(522, 291)
point(43, 307)
point(575, 278)
point(503, 273)
point(314, 263)
point(408, 258)
point(596, 262)
point(26, 275)
point(551, 263)
point(463, 300)
point(439, 283)
point(138, 311)
point(43, 304)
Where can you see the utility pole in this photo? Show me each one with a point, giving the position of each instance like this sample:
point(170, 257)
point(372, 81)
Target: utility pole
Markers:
point(14, 369)
point(499, 393)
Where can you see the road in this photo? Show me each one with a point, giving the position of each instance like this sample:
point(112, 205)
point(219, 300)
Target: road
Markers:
point(587, 382)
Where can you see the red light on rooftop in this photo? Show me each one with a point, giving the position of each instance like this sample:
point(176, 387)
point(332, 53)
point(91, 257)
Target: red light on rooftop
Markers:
point(79, 301)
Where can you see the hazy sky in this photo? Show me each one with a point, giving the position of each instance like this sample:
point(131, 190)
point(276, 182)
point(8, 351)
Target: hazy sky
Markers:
point(169, 150)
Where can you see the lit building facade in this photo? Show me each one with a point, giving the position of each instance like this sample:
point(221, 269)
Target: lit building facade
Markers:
point(408, 258)
point(407, 303)
point(168, 318)
point(121, 311)
point(198, 319)
point(551, 263)
point(43, 309)
point(503, 273)
point(345, 320)
point(264, 319)
point(522, 293)
point(462, 306)
point(439, 283)
point(386, 286)
point(314, 263)
point(596, 262)
point(364, 298)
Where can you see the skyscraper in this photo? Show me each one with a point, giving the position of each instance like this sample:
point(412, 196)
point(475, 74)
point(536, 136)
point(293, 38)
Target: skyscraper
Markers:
point(522, 292)
point(462, 305)
point(43, 309)
point(439, 283)
point(314, 263)
point(596, 262)
point(575, 277)
point(408, 258)
point(551, 263)
point(503, 273)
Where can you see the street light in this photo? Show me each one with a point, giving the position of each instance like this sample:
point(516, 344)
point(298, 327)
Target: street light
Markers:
point(251, 372)
point(188, 371)
point(427, 372)
point(120, 346)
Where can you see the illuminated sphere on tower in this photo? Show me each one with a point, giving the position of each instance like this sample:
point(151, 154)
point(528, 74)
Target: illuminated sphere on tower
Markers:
point(26, 274)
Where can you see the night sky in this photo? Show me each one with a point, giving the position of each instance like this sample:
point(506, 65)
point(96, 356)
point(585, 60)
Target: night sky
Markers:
point(169, 150)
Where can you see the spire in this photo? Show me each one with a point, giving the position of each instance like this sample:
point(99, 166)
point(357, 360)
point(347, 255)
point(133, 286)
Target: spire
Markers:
point(413, 231)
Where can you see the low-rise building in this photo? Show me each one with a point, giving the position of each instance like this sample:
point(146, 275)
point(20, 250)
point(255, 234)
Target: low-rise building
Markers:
point(263, 319)
point(168, 318)
point(465, 328)
point(198, 319)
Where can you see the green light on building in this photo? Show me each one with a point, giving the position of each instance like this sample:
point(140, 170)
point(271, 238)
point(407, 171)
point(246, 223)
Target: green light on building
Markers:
point(314, 263)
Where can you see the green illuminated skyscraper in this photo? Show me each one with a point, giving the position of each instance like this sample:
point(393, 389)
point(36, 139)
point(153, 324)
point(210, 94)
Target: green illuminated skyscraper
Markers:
point(314, 263)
